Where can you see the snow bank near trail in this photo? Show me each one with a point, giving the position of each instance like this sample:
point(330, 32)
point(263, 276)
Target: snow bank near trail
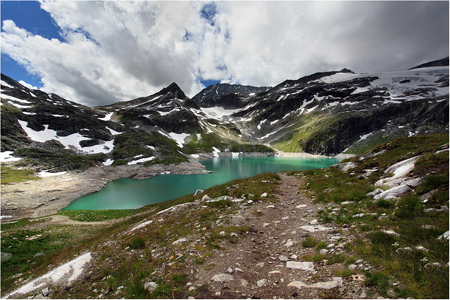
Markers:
point(61, 275)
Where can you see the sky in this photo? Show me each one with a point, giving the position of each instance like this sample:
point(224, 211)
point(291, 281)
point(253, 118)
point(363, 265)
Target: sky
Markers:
point(98, 53)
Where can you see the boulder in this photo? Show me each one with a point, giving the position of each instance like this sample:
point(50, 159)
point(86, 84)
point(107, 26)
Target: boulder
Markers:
point(198, 192)
point(394, 192)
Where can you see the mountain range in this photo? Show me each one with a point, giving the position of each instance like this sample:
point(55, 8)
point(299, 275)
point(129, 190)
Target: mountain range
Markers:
point(324, 113)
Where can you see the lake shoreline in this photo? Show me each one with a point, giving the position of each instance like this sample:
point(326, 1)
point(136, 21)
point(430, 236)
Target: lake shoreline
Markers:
point(48, 195)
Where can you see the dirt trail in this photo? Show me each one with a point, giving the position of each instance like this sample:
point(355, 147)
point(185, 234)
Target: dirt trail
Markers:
point(269, 261)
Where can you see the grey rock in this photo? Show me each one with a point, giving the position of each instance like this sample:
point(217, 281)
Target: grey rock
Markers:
point(352, 267)
point(283, 258)
point(444, 236)
point(359, 261)
point(222, 277)
point(45, 292)
point(260, 265)
point(374, 193)
point(303, 265)
point(263, 195)
point(261, 283)
point(230, 270)
point(198, 192)
point(206, 198)
point(415, 182)
point(150, 286)
point(323, 251)
point(394, 192)
point(180, 241)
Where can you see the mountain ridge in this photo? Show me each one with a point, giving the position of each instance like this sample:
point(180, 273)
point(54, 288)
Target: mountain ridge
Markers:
point(323, 113)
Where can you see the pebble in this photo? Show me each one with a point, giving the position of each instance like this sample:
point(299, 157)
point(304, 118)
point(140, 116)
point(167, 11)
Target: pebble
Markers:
point(270, 206)
point(303, 265)
point(260, 265)
point(222, 277)
point(261, 283)
point(352, 267)
point(283, 258)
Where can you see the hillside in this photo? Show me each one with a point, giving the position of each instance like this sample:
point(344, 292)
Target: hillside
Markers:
point(372, 226)
point(325, 113)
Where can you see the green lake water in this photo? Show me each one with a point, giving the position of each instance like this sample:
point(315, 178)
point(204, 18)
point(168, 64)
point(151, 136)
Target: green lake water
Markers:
point(129, 194)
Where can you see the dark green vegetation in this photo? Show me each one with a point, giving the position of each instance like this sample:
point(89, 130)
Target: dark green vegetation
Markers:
point(399, 236)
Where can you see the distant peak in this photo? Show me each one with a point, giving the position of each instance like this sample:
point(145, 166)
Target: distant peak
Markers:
point(345, 70)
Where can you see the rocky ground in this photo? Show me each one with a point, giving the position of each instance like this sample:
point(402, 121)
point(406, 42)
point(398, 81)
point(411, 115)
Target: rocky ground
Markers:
point(266, 261)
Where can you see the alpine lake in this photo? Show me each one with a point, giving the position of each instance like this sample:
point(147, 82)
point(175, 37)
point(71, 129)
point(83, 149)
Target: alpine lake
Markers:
point(130, 194)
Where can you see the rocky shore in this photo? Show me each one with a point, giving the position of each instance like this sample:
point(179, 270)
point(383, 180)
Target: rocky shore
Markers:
point(48, 195)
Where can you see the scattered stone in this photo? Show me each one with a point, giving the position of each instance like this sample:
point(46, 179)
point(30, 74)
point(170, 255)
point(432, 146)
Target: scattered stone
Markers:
point(444, 236)
point(238, 270)
point(405, 249)
point(314, 222)
point(222, 233)
point(347, 202)
point(263, 195)
point(266, 224)
point(37, 254)
point(270, 206)
point(179, 241)
point(244, 282)
point(352, 267)
point(293, 256)
point(374, 193)
point(260, 265)
point(303, 265)
point(150, 286)
point(433, 265)
point(393, 192)
point(222, 278)
point(421, 248)
point(206, 198)
point(261, 283)
point(274, 272)
point(330, 246)
point(415, 182)
point(391, 232)
point(198, 192)
point(45, 292)
point(289, 243)
point(359, 261)
point(427, 196)
point(230, 270)
point(323, 251)
point(283, 258)
point(314, 228)
point(301, 206)
point(335, 282)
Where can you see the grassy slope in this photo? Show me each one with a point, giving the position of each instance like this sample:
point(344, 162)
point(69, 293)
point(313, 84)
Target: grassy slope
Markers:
point(405, 216)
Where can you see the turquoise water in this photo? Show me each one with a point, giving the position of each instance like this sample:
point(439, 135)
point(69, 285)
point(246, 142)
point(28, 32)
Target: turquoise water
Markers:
point(129, 194)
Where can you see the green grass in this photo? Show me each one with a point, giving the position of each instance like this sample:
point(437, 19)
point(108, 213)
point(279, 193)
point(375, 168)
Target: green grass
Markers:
point(11, 175)
point(97, 215)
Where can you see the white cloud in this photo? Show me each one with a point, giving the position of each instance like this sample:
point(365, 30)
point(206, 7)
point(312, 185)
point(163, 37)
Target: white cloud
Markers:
point(118, 50)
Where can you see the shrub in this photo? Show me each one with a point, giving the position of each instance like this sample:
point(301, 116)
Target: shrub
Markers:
point(137, 243)
point(309, 242)
point(409, 207)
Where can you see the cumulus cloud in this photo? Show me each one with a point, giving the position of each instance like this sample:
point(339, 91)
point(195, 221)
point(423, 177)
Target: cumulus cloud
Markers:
point(117, 50)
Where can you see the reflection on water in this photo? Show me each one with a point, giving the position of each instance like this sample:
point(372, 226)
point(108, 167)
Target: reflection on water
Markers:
point(128, 194)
